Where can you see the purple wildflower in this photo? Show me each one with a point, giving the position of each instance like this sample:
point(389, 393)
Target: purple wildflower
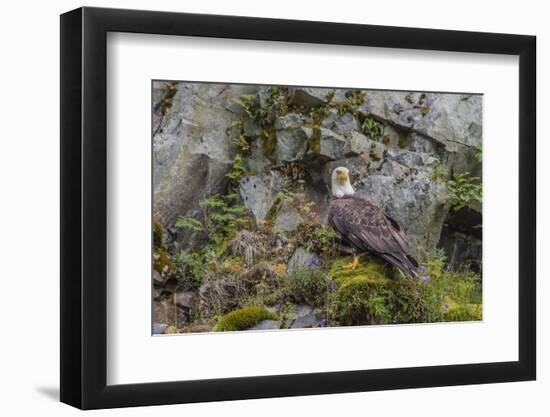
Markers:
point(332, 286)
point(426, 278)
point(446, 306)
point(314, 263)
point(423, 268)
point(324, 321)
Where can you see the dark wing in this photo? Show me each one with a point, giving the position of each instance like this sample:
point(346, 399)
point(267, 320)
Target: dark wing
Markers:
point(367, 228)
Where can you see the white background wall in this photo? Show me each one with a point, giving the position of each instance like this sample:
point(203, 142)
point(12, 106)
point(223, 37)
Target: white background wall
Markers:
point(29, 231)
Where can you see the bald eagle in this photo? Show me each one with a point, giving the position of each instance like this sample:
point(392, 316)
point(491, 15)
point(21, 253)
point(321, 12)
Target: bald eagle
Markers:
point(366, 228)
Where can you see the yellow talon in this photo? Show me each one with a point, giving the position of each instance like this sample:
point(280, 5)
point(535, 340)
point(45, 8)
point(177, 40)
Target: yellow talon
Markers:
point(353, 265)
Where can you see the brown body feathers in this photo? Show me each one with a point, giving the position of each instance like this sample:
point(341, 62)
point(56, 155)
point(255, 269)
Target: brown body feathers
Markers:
point(366, 228)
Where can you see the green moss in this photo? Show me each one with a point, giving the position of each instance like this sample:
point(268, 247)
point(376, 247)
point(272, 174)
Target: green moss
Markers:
point(373, 294)
point(355, 97)
point(314, 142)
point(463, 312)
point(162, 262)
point(403, 141)
point(158, 234)
point(268, 136)
point(242, 319)
point(362, 300)
point(368, 267)
point(168, 99)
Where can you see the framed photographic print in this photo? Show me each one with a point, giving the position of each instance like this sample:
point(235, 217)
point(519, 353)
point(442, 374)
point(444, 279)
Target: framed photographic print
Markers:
point(291, 208)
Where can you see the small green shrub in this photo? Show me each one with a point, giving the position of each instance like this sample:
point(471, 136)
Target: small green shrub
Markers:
point(372, 128)
point(221, 219)
point(463, 312)
point(463, 190)
point(307, 285)
point(355, 97)
point(192, 267)
point(242, 319)
point(478, 153)
point(439, 173)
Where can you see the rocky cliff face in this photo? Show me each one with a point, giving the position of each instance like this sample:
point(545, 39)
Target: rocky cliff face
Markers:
point(394, 143)
point(271, 150)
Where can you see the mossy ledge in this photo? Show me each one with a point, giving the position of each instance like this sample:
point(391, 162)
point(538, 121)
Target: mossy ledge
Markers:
point(369, 266)
point(371, 294)
point(242, 319)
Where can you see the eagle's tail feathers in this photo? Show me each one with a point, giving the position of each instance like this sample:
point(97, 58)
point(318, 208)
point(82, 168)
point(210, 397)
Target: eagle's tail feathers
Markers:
point(404, 262)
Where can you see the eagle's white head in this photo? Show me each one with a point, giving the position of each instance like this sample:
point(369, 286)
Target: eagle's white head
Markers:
point(341, 186)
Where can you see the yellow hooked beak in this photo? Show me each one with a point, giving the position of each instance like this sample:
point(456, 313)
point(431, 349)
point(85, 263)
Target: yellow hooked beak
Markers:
point(342, 176)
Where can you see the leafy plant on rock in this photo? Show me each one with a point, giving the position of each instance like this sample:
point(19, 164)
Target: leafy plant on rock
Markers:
point(372, 128)
point(464, 189)
point(222, 217)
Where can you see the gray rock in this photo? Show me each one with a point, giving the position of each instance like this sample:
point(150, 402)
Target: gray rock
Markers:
point(310, 97)
point(341, 124)
point(251, 128)
point(200, 328)
point(157, 293)
point(159, 328)
point(303, 258)
point(332, 145)
point(419, 143)
point(288, 219)
point(359, 144)
point(192, 147)
point(306, 317)
point(289, 121)
point(411, 159)
point(390, 137)
point(405, 157)
point(452, 120)
point(266, 325)
point(415, 201)
point(157, 277)
point(291, 144)
point(257, 162)
point(393, 169)
point(186, 299)
point(166, 312)
point(259, 191)
point(347, 123)
point(461, 248)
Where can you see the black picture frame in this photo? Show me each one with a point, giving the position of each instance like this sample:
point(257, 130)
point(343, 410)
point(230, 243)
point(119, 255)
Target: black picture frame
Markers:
point(84, 207)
